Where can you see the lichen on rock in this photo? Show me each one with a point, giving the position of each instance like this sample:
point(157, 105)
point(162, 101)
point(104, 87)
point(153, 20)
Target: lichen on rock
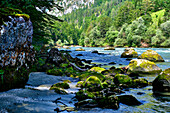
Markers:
point(129, 53)
point(151, 55)
point(142, 66)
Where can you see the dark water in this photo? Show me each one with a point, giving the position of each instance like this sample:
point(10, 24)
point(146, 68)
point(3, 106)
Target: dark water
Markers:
point(37, 98)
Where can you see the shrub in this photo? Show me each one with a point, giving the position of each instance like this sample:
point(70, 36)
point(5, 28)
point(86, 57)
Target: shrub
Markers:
point(165, 27)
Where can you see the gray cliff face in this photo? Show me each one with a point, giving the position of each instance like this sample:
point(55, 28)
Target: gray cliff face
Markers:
point(16, 51)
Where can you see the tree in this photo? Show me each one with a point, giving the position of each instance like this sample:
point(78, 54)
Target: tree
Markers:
point(111, 35)
point(37, 10)
point(126, 14)
point(158, 39)
point(104, 22)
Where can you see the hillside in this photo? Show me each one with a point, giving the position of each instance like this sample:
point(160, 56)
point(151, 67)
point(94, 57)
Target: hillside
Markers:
point(117, 23)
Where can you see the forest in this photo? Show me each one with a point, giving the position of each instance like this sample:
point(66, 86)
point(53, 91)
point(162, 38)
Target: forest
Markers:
point(118, 23)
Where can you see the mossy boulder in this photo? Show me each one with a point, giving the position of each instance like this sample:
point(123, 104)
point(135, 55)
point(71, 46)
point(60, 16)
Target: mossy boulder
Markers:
point(59, 90)
point(93, 82)
point(122, 79)
point(97, 69)
point(109, 48)
point(85, 75)
point(84, 94)
point(152, 56)
point(142, 66)
point(80, 84)
point(129, 53)
point(61, 85)
point(110, 102)
point(113, 71)
point(90, 100)
point(141, 82)
point(161, 85)
point(80, 49)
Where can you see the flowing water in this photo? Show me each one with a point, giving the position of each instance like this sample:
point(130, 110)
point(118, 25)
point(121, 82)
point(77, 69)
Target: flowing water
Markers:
point(37, 98)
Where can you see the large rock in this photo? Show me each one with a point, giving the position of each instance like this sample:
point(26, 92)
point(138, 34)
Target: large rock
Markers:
point(17, 54)
point(129, 53)
point(161, 85)
point(129, 100)
point(142, 66)
point(152, 56)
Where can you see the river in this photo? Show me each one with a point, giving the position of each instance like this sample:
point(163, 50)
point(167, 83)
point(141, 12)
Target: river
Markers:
point(37, 98)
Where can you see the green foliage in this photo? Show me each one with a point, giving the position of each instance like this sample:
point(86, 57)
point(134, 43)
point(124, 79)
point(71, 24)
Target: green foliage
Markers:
point(126, 14)
point(165, 27)
point(120, 23)
point(120, 42)
point(111, 35)
point(158, 39)
point(104, 22)
point(37, 10)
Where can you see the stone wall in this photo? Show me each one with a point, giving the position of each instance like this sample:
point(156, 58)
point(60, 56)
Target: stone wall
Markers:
point(16, 52)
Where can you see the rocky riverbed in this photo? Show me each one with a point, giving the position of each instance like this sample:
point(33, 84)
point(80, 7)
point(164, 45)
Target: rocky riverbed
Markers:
point(122, 94)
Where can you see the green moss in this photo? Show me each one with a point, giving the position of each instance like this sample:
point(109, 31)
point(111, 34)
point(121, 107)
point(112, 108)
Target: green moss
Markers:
point(143, 66)
point(152, 56)
point(92, 81)
point(105, 84)
point(85, 75)
point(25, 16)
point(61, 85)
point(122, 79)
point(64, 65)
point(80, 84)
point(59, 90)
point(55, 71)
point(97, 69)
point(66, 81)
point(84, 94)
point(164, 75)
point(140, 82)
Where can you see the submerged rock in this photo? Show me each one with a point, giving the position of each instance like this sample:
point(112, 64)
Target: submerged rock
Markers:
point(79, 55)
point(128, 100)
point(161, 85)
point(109, 48)
point(152, 56)
point(80, 49)
point(141, 82)
point(129, 53)
point(142, 66)
point(95, 51)
point(110, 102)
